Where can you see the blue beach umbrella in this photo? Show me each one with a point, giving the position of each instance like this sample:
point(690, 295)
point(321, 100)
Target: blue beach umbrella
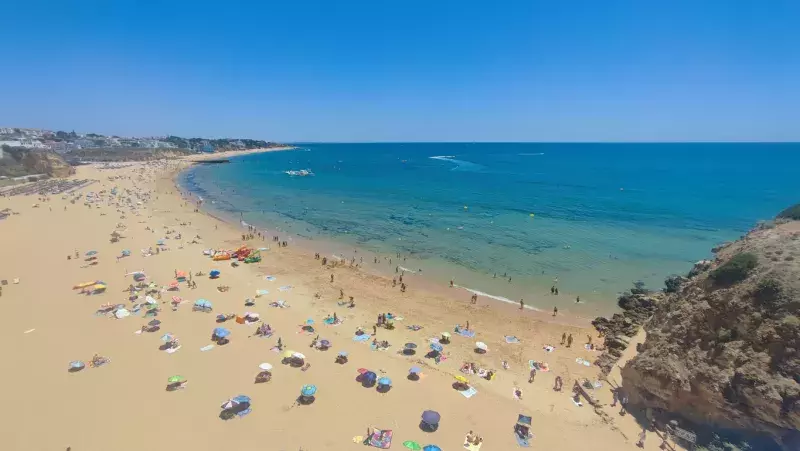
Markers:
point(90, 253)
point(309, 321)
point(384, 381)
point(167, 337)
point(343, 354)
point(76, 365)
point(221, 332)
point(202, 303)
point(437, 347)
point(431, 448)
point(214, 273)
point(160, 242)
point(126, 253)
point(241, 399)
point(308, 390)
point(415, 370)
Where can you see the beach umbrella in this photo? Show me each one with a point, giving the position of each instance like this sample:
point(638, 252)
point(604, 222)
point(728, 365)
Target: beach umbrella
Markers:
point(431, 448)
point(76, 365)
point(308, 390)
point(154, 322)
point(413, 446)
point(410, 346)
point(84, 285)
point(260, 293)
point(167, 337)
point(176, 299)
point(176, 379)
point(214, 273)
point(152, 307)
point(221, 332)
point(90, 253)
point(431, 417)
point(415, 370)
point(446, 334)
point(288, 354)
point(384, 381)
point(150, 300)
point(309, 321)
point(436, 347)
point(343, 353)
point(461, 378)
point(242, 399)
point(325, 343)
point(173, 284)
point(160, 242)
point(252, 315)
point(122, 313)
point(202, 303)
point(524, 420)
point(126, 253)
point(99, 287)
point(180, 274)
point(362, 370)
point(482, 346)
point(297, 355)
point(265, 366)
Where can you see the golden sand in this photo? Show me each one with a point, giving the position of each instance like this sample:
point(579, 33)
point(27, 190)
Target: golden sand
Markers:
point(124, 405)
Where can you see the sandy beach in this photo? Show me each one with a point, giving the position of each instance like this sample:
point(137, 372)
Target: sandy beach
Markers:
point(124, 405)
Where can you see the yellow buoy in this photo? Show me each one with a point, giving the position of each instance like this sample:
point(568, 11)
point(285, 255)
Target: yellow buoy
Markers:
point(532, 215)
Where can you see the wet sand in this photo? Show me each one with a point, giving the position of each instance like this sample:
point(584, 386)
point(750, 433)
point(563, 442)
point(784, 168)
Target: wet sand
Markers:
point(124, 405)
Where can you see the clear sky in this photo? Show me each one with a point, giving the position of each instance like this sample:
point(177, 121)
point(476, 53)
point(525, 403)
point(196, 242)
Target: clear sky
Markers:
point(406, 70)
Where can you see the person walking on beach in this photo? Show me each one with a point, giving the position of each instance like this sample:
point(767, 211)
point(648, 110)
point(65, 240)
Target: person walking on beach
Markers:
point(578, 300)
point(532, 375)
point(642, 436)
point(555, 311)
point(331, 278)
point(563, 338)
point(569, 341)
point(558, 384)
point(521, 304)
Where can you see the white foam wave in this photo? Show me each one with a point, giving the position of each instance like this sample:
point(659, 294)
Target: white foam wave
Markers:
point(410, 271)
point(461, 165)
point(496, 298)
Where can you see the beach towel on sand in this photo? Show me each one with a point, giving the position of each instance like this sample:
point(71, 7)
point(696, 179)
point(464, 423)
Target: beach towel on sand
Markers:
point(522, 442)
point(381, 439)
point(364, 337)
point(466, 333)
point(469, 393)
point(511, 339)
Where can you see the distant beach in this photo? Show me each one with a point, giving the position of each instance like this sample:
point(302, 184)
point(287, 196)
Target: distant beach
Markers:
point(588, 219)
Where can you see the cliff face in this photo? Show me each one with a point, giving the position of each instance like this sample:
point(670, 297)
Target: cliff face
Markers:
point(19, 161)
point(724, 347)
point(49, 163)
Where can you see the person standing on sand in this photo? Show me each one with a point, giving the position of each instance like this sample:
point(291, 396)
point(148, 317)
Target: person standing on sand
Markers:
point(563, 337)
point(532, 375)
point(521, 304)
point(578, 300)
point(642, 436)
point(555, 311)
point(331, 278)
point(569, 341)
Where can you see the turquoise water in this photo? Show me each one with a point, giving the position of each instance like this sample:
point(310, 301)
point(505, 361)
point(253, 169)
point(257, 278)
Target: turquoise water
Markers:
point(604, 215)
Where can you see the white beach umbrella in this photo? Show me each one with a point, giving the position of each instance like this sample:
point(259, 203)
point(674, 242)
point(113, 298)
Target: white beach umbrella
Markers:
point(265, 366)
point(297, 355)
point(482, 346)
point(122, 313)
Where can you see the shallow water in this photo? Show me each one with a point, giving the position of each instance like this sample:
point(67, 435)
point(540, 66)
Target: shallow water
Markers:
point(596, 217)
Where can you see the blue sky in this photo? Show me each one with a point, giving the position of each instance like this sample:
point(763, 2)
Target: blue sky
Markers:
point(406, 70)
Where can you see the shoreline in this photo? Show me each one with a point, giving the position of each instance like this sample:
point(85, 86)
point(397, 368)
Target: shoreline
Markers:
point(309, 246)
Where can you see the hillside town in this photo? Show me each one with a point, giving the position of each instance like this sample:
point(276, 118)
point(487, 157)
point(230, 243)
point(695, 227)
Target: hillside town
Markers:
point(62, 142)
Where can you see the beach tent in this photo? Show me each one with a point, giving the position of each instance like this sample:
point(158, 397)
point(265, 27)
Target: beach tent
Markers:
point(214, 273)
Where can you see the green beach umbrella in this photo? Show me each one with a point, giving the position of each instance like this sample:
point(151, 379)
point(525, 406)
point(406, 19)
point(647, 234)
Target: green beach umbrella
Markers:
point(412, 445)
point(175, 379)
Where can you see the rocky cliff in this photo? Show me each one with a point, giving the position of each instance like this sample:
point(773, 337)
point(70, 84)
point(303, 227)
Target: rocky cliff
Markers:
point(20, 161)
point(723, 348)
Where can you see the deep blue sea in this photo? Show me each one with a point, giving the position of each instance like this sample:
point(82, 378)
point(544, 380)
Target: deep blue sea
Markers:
point(596, 217)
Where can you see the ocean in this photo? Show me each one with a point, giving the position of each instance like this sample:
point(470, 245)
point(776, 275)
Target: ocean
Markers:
point(588, 218)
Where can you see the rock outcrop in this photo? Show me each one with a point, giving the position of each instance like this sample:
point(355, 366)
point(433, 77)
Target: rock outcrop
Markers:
point(19, 161)
point(723, 347)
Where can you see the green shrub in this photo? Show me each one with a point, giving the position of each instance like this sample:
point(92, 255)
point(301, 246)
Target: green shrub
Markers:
point(792, 212)
point(734, 270)
point(767, 291)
